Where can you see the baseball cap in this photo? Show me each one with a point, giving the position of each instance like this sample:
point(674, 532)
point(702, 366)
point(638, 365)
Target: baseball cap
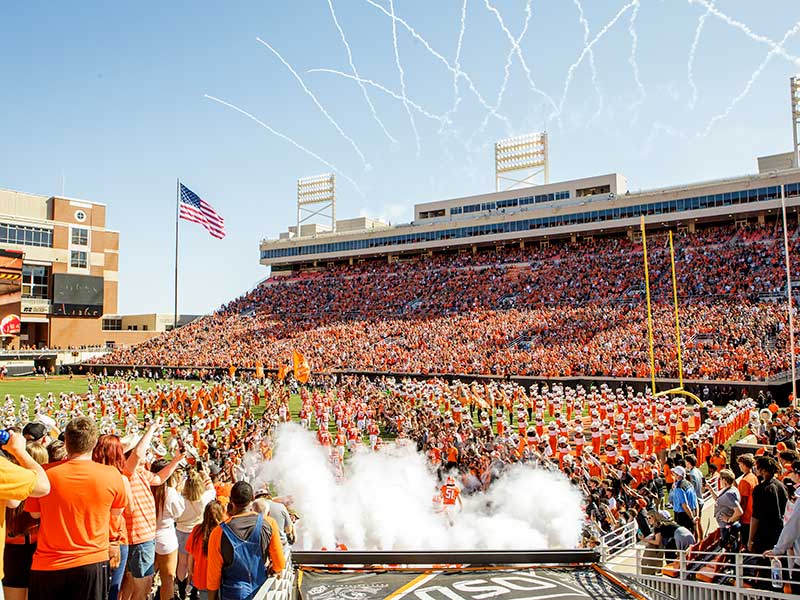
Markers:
point(34, 431)
point(679, 471)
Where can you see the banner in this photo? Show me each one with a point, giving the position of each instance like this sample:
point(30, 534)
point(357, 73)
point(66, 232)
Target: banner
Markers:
point(10, 292)
point(500, 584)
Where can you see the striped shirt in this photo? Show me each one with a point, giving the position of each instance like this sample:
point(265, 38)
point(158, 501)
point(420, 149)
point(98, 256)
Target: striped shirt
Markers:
point(140, 518)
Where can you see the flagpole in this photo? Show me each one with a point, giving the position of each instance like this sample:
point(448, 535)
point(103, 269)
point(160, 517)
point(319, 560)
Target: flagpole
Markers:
point(177, 204)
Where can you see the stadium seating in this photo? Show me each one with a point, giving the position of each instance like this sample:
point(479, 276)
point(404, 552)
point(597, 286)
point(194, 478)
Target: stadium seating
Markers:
point(565, 310)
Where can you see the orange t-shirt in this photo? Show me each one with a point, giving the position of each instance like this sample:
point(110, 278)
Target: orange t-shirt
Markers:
point(75, 515)
point(746, 485)
point(194, 546)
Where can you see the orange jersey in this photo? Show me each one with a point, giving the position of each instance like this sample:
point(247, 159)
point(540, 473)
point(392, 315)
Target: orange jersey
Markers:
point(450, 494)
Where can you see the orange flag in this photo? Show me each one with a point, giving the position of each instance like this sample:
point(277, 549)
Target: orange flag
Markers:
point(301, 368)
point(283, 371)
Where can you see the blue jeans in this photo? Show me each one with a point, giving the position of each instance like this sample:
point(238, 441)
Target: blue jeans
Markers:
point(118, 573)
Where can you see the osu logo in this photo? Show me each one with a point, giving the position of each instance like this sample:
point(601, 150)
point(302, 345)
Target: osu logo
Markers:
point(511, 586)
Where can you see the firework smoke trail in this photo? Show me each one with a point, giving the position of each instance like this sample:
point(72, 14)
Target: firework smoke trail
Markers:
point(592, 67)
point(507, 68)
point(313, 97)
point(701, 22)
point(457, 61)
point(632, 58)
point(747, 31)
point(440, 118)
point(457, 72)
point(756, 74)
point(355, 72)
point(402, 77)
point(586, 49)
point(515, 48)
point(283, 136)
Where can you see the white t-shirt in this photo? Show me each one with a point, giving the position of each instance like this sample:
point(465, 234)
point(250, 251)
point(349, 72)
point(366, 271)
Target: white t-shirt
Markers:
point(193, 512)
point(166, 538)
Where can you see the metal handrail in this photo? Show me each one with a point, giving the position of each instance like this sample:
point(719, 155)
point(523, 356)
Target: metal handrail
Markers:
point(618, 540)
point(719, 569)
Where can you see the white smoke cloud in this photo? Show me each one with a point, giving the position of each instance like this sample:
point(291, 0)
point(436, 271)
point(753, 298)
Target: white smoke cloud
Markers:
point(384, 501)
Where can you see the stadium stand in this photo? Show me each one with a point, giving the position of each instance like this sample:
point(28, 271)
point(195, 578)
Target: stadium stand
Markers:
point(568, 309)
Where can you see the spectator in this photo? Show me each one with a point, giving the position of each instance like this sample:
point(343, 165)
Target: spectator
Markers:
point(769, 502)
point(18, 481)
point(790, 536)
point(197, 492)
point(21, 534)
point(109, 451)
point(684, 500)
point(169, 505)
point(727, 510)
point(280, 514)
point(239, 550)
point(667, 534)
point(747, 483)
point(197, 547)
point(73, 551)
point(141, 518)
point(695, 477)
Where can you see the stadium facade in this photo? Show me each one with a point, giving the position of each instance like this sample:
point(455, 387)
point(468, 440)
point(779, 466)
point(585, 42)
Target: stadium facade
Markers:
point(68, 283)
point(577, 209)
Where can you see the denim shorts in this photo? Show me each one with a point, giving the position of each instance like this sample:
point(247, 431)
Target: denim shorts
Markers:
point(141, 559)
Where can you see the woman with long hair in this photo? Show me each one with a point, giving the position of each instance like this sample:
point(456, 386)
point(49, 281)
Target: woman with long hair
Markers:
point(198, 491)
point(197, 546)
point(109, 451)
point(169, 505)
point(21, 536)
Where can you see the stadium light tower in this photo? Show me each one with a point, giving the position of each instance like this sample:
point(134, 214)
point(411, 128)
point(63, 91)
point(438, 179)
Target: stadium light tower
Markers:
point(794, 84)
point(314, 191)
point(526, 153)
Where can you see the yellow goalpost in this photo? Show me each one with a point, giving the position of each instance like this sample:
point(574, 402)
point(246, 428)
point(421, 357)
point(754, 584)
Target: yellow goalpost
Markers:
point(678, 391)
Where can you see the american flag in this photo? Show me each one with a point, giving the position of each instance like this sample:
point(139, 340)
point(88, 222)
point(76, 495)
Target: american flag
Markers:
point(195, 209)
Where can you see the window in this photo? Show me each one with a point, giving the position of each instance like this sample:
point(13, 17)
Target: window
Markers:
point(25, 235)
point(80, 236)
point(78, 259)
point(112, 324)
point(35, 281)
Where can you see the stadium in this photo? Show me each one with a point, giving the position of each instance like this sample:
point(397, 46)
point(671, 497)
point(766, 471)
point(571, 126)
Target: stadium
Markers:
point(558, 389)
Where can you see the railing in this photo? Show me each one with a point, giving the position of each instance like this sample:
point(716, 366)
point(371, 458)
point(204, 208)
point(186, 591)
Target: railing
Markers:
point(278, 588)
point(618, 540)
point(707, 574)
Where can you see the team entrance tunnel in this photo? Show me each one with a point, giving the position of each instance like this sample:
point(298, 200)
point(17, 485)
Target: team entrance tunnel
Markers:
point(474, 575)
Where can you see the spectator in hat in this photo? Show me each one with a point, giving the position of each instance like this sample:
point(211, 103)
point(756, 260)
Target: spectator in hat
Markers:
point(35, 432)
point(684, 500)
point(280, 513)
point(238, 550)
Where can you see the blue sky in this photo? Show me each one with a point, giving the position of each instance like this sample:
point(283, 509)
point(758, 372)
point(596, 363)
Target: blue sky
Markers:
point(110, 96)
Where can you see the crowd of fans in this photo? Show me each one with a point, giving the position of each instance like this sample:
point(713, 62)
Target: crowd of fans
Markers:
point(564, 310)
point(140, 483)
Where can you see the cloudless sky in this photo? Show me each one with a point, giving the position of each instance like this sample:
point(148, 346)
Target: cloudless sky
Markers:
point(108, 97)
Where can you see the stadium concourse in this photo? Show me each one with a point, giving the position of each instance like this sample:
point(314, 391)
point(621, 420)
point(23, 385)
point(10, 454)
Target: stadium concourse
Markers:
point(564, 310)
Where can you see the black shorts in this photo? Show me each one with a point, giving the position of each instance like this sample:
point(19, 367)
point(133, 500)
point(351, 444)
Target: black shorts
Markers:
point(17, 560)
point(88, 582)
